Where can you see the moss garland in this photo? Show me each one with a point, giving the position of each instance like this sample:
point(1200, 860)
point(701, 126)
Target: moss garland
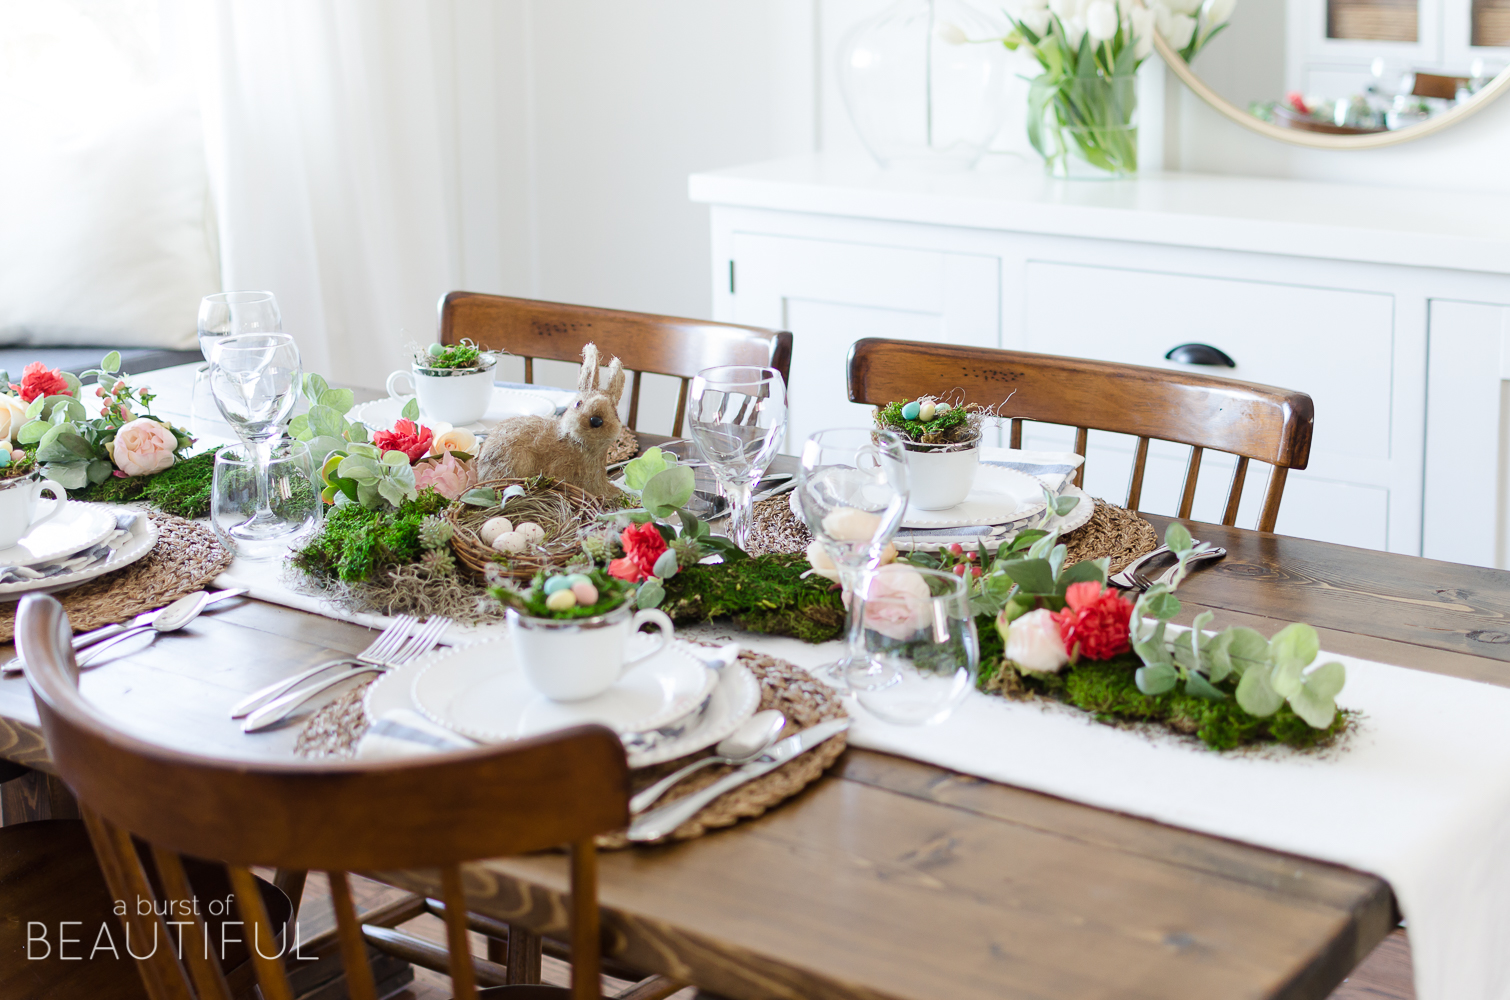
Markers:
point(355, 543)
point(762, 594)
point(183, 489)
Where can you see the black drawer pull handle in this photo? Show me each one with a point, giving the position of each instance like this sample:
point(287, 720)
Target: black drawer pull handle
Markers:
point(1199, 354)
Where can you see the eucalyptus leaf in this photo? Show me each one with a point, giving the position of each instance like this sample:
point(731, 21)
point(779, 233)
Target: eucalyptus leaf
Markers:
point(1198, 687)
point(391, 491)
point(314, 386)
point(1156, 678)
point(481, 496)
point(367, 450)
point(723, 547)
point(325, 421)
point(64, 444)
point(1056, 559)
point(1152, 649)
point(1246, 648)
point(32, 431)
point(368, 495)
point(639, 472)
point(99, 470)
point(1089, 571)
point(395, 458)
point(1177, 537)
point(75, 387)
point(299, 429)
point(321, 447)
point(111, 362)
point(35, 407)
point(411, 410)
point(1218, 660)
point(404, 476)
point(357, 433)
point(665, 566)
point(1034, 576)
point(1041, 548)
point(1256, 696)
point(69, 475)
point(1160, 604)
point(1294, 646)
point(1316, 702)
point(667, 491)
point(339, 400)
point(1063, 505)
point(359, 467)
point(650, 594)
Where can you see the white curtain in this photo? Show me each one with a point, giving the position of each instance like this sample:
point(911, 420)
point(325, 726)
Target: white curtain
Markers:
point(331, 160)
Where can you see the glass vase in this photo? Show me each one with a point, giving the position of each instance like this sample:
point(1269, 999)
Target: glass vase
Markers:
point(925, 83)
point(1089, 128)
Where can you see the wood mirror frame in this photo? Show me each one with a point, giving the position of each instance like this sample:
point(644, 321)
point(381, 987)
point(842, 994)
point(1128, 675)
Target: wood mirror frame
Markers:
point(1320, 140)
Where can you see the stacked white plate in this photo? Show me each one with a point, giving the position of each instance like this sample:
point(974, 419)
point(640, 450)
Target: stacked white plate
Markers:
point(382, 414)
point(667, 706)
point(76, 528)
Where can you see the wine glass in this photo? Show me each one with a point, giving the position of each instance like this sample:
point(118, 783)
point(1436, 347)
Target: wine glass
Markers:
point(920, 639)
point(222, 315)
point(291, 491)
point(738, 419)
point(255, 379)
point(852, 490)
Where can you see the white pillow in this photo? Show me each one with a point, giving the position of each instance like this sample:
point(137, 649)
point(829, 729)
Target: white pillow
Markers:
point(109, 239)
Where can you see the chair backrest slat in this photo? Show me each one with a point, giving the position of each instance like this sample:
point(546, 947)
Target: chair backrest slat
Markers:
point(1235, 491)
point(557, 789)
point(661, 345)
point(197, 951)
point(1243, 419)
point(463, 978)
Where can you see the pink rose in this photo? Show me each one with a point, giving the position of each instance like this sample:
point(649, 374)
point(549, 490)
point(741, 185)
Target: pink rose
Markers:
point(898, 602)
point(143, 447)
point(450, 476)
point(1033, 643)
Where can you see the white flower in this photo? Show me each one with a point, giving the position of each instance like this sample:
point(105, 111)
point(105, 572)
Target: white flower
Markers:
point(1178, 31)
point(1215, 13)
point(818, 558)
point(12, 415)
point(454, 439)
point(849, 524)
point(1066, 9)
point(1179, 6)
point(1101, 20)
point(1037, 21)
point(1033, 643)
point(1142, 31)
point(950, 33)
point(1074, 31)
point(1024, 6)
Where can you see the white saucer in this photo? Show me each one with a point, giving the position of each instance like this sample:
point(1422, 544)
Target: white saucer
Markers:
point(382, 414)
point(734, 700)
point(75, 528)
point(481, 691)
point(999, 496)
point(139, 545)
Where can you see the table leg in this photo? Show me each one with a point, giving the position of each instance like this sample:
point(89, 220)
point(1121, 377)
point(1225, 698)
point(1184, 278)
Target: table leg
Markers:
point(523, 959)
point(36, 795)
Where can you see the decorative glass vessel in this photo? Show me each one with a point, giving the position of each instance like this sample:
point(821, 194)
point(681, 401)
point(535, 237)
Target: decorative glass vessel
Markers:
point(925, 83)
point(1090, 128)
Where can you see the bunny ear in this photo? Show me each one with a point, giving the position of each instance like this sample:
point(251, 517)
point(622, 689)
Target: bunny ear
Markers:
point(587, 380)
point(615, 381)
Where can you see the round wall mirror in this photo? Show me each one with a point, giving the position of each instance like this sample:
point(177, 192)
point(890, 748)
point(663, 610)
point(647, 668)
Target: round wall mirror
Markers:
point(1350, 74)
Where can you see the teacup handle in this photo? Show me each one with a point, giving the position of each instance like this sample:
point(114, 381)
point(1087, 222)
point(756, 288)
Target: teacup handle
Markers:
point(59, 498)
point(392, 384)
point(664, 632)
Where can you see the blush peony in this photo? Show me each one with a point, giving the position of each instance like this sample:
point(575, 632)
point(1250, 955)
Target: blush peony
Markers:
point(39, 380)
point(1095, 624)
point(450, 476)
point(406, 437)
point(1033, 643)
point(897, 602)
point(143, 447)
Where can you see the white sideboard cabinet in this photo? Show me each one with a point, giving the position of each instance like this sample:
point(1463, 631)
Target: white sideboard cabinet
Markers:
point(1391, 309)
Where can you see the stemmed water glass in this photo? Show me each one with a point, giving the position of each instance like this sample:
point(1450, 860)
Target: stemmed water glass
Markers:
point(737, 420)
point(222, 315)
point(920, 637)
point(255, 379)
point(852, 490)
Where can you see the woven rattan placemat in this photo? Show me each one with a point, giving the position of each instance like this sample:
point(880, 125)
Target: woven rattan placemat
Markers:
point(335, 730)
point(1111, 531)
point(186, 558)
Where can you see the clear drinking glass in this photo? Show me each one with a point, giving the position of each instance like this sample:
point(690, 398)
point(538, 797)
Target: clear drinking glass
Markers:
point(222, 315)
point(738, 419)
point(285, 486)
point(920, 641)
point(852, 489)
point(255, 379)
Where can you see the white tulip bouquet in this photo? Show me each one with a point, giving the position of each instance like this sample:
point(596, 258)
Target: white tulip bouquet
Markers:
point(1090, 50)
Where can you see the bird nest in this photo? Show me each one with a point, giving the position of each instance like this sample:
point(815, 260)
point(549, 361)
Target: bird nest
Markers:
point(564, 511)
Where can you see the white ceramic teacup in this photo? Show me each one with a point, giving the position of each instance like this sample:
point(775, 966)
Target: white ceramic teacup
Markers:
point(18, 508)
point(575, 658)
point(941, 477)
point(459, 396)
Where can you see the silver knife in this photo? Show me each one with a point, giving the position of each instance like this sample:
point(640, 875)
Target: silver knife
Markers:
point(656, 823)
point(84, 639)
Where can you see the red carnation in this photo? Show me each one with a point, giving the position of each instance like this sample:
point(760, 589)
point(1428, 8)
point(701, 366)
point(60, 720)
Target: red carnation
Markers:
point(39, 380)
point(1094, 625)
point(643, 545)
point(406, 437)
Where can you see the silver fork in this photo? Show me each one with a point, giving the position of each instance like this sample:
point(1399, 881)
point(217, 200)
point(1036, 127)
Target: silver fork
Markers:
point(417, 645)
point(387, 643)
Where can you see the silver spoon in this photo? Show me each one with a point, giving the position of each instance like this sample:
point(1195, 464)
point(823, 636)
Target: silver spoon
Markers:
point(172, 618)
point(743, 745)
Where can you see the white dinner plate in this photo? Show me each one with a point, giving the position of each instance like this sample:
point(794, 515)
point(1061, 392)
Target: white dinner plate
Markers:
point(74, 528)
point(382, 414)
point(481, 691)
point(137, 547)
point(999, 496)
point(734, 700)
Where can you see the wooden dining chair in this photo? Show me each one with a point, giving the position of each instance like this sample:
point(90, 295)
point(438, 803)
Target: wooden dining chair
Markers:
point(661, 345)
point(1252, 422)
point(434, 812)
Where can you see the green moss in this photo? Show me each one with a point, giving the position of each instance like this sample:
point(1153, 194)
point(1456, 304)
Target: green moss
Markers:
point(182, 489)
point(937, 430)
point(1107, 691)
point(762, 594)
point(355, 543)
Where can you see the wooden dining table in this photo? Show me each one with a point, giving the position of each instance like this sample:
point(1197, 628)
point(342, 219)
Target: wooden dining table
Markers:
point(890, 878)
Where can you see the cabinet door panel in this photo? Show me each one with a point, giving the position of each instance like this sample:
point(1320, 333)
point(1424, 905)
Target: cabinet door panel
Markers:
point(830, 294)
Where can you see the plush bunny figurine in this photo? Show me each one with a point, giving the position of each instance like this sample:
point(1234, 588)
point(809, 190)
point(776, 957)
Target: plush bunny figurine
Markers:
point(572, 447)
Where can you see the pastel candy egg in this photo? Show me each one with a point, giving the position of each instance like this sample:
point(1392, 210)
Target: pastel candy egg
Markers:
point(561, 600)
point(910, 410)
point(493, 527)
point(926, 409)
point(532, 533)
point(435, 350)
point(939, 409)
point(585, 592)
point(510, 542)
point(575, 578)
point(557, 583)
